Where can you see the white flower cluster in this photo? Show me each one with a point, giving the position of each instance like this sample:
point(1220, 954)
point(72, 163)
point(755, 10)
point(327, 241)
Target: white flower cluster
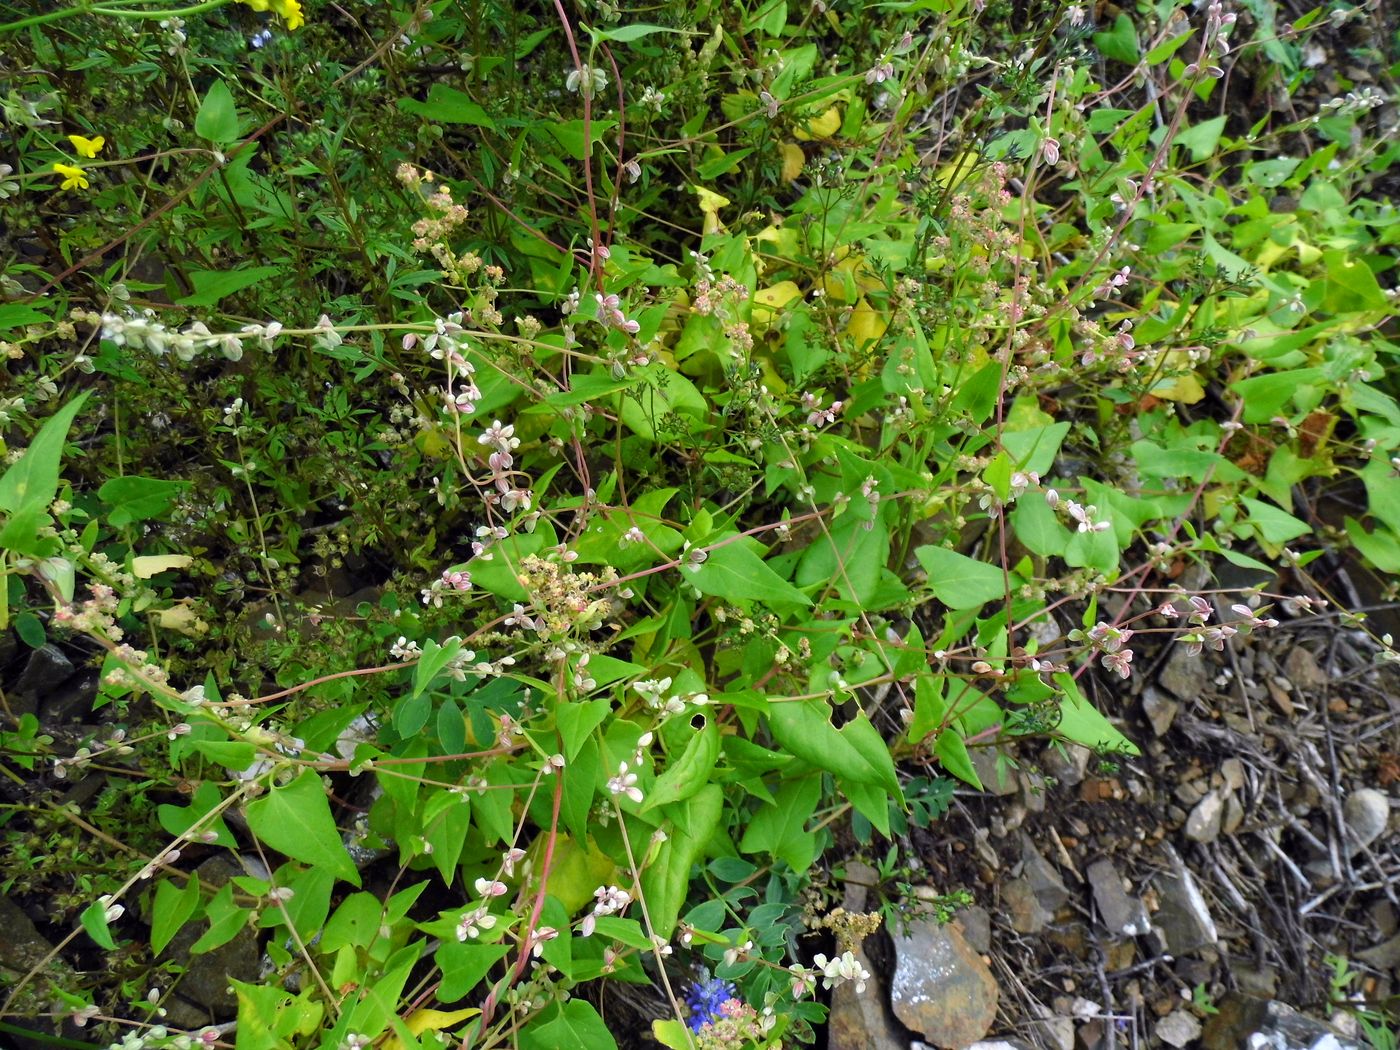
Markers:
point(143, 331)
point(608, 900)
point(653, 691)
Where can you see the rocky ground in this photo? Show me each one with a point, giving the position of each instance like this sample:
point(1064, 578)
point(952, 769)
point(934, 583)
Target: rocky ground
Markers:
point(1195, 896)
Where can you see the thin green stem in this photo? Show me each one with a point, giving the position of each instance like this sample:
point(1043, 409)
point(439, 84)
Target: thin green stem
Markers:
point(114, 12)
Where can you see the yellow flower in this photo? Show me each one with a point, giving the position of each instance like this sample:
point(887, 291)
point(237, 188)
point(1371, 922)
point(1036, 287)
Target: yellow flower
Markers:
point(289, 10)
point(88, 147)
point(73, 178)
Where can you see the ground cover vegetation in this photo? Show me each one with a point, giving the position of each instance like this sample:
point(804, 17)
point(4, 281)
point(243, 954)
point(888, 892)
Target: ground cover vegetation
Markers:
point(540, 484)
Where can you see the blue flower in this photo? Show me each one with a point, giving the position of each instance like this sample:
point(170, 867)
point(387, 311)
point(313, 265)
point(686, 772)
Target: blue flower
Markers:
point(705, 999)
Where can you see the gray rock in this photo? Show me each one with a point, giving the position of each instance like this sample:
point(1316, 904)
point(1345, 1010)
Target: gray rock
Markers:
point(1160, 709)
point(1054, 1033)
point(976, 927)
point(1044, 879)
point(986, 1044)
point(1366, 812)
point(71, 701)
point(47, 669)
point(862, 1021)
point(1242, 1021)
point(1301, 668)
point(1033, 789)
point(205, 984)
point(1067, 763)
point(995, 771)
point(1203, 825)
point(1234, 815)
point(1383, 914)
point(1023, 908)
point(1183, 675)
point(942, 989)
point(1184, 918)
point(22, 948)
point(1232, 769)
point(860, 878)
point(1178, 1028)
point(1383, 956)
point(1124, 915)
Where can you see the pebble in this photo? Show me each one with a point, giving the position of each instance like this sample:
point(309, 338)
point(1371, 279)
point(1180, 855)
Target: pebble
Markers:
point(1067, 763)
point(1124, 915)
point(1384, 956)
point(1234, 815)
point(1203, 825)
point(1178, 1028)
point(1244, 1021)
point(1049, 888)
point(1160, 709)
point(859, 1021)
point(994, 769)
point(1232, 769)
point(1184, 918)
point(976, 925)
point(1302, 670)
point(1023, 908)
point(1367, 812)
point(1183, 675)
point(941, 988)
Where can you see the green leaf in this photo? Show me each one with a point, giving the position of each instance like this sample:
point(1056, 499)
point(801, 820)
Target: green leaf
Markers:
point(568, 1026)
point(952, 753)
point(18, 315)
point(667, 878)
point(94, 920)
point(1272, 524)
point(296, 820)
point(690, 772)
point(179, 819)
point(576, 722)
point(355, 923)
point(1201, 139)
point(32, 480)
point(172, 909)
point(1082, 723)
point(448, 105)
point(855, 751)
point(212, 286)
point(626, 34)
point(134, 499)
point(432, 663)
point(735, 571)
point(1119, 43)
point(464, 966)
point(780, 828)
point(217, 119)
point(226, 919)
point(960, 582)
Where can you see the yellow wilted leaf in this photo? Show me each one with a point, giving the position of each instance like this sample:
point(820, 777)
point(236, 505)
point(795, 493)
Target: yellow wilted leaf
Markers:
point(710, 204)
point(182, 617)
point(146, 566)
point(793, 159)
point(433, 441)
point(782, 239)
point(958, 169)
point(575, 872)
point(425, 1020)
point(768, 301)
point(822, 127)
point(1185, 387)
point(867, 324)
